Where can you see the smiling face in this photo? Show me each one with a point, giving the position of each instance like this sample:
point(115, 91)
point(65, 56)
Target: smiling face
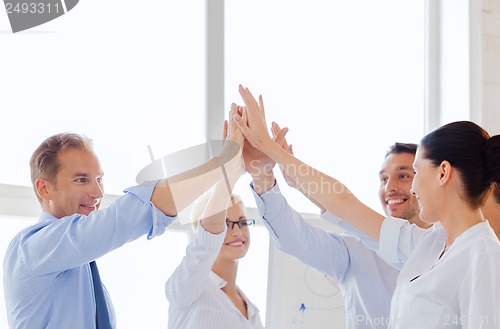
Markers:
point(77, 188)
point(396, 176)
point(424, 187)
point(237, 240)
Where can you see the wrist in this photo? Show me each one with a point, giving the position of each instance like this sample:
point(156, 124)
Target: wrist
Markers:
point(263, 183)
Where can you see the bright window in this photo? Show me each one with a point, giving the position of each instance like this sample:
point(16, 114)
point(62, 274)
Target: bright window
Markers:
point(347, 78)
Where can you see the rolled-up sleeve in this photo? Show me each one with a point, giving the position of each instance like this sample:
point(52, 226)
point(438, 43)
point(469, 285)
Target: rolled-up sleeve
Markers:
point(160, 221)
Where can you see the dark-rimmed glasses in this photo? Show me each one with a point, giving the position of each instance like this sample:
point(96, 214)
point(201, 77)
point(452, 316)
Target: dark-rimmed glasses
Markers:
point(244, 223)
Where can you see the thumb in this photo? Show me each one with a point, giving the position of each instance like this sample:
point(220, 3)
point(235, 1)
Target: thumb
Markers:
point(224, 131)
point(280, 138)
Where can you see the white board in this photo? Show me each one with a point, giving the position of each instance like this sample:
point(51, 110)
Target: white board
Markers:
point(299, 297)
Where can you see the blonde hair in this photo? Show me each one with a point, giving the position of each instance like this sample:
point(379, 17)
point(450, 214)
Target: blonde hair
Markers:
point(200, 204)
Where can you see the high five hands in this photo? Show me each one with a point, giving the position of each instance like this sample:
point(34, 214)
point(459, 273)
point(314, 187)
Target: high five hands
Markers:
point(257, 157)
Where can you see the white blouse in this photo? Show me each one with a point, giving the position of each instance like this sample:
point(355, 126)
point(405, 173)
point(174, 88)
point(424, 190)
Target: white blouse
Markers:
point(195, 292)
point(461, 289)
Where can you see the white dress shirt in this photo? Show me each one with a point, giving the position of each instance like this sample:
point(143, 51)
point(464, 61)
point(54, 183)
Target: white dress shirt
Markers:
point(460, 289)
point(195, 292)
point(367, 282)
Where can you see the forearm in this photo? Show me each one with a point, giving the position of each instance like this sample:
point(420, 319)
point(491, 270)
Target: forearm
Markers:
point(172, 195)
point(311, 198)
point(327, 192)
point(213, 218)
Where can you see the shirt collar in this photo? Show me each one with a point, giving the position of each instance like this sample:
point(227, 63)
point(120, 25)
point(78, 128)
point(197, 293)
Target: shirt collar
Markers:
point(221, 283)
point(45, 216)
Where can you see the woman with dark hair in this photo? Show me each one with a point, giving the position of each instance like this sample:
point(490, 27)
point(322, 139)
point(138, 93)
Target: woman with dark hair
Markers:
point(450, 276)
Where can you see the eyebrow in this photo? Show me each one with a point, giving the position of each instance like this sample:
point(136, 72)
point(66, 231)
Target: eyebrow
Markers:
point(398, 169)
point(81, 174)
point(241, 218)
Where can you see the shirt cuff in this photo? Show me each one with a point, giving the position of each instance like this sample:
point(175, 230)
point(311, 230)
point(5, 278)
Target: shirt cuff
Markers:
point(271, 195)
point(160, 220)
point(209, 240)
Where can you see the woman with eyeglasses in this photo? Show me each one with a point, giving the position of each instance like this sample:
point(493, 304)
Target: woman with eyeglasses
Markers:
point(202, 291)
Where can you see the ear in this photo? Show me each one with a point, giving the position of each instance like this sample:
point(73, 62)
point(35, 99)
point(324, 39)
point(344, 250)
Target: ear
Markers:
point(42, 188)
point(445, 170)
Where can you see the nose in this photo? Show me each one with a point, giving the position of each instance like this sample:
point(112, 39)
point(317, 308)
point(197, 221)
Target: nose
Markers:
point(390, 185)
point(96, 190)
point(235, 230)
point(412, 191)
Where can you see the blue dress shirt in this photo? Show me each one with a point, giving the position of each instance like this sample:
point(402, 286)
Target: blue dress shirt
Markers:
point(366, 281)
point(47, 278)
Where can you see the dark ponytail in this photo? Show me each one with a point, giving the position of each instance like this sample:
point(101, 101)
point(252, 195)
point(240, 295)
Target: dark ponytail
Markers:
point(464, 145)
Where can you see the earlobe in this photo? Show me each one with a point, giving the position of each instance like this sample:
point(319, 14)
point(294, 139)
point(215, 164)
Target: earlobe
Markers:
point(444, 172)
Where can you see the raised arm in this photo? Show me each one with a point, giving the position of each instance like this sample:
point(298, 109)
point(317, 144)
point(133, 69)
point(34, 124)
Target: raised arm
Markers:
point(173, 194)
point(213, 218)
point(276, 130)
point(329, 192)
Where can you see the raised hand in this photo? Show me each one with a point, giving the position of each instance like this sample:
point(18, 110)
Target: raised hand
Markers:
point(281, 140)
point(253, 125)
point(252, 122)
point(232, 133)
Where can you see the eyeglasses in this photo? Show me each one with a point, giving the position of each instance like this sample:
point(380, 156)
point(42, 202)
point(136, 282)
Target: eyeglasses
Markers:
point(245, 223)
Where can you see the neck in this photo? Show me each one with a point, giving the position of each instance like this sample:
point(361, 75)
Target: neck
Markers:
point(227, 270)
point(458, 221)
point(420, 223)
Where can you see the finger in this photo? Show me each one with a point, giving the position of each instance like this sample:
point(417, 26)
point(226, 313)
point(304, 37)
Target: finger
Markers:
point(224, 131)
point(280, 138)
point(242, 122)
point(234, 110)
point(274, 131)
point(290, 149)
point(248, 98)
point(261, 106)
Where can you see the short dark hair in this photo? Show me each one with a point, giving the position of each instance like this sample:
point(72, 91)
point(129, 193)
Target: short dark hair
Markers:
point(398, 148)
point(470, 149)
point(44, 162)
